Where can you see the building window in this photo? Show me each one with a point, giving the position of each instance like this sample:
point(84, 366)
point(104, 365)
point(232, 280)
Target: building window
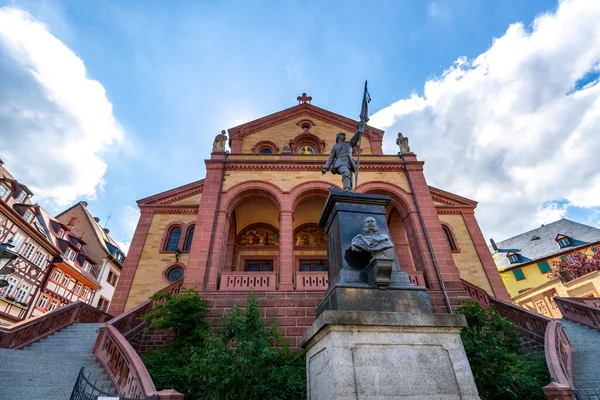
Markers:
point(87, 267)
point(70, 254)
point(3, 192)
point(21, 197)
point(513, 258)
point(519, 275)
point(22, 293)
point(103, 304)
point(65, 280)
point(60, 233)
point(188, 239)
point(28, 216)
point(258, 266)
point(53, 305)
point(39, 258)
point(174, 274)
point(57, 274)
point(43, 302)
point(306, 150)
point(86, 291)
point(313, 265)
point(449, 238)
point(173, 240)
point(72, 221)
point(564, 242)
point(265, 150)
point(7, 290)
point(544, 267)
point(78, 288)
point(17, 241)
point(111, 278)
point(28, 250)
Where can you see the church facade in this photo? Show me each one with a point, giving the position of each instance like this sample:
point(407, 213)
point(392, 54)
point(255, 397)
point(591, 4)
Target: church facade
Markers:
point(251, 223)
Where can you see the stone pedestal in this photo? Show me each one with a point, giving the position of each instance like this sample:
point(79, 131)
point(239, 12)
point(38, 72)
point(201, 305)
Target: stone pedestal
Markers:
point(387, 355)
point(358, 282)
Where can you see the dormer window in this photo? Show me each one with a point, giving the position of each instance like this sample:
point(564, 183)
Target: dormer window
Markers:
point(21, 197)
point(563, 241)
point(3, 192)
point(70, 254)
point(28, 216)
point(78, 245)
point(60, 233)
point(513, 258)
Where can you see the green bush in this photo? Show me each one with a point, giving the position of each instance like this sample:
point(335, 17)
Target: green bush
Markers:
point(500, 372)
point(242, 359)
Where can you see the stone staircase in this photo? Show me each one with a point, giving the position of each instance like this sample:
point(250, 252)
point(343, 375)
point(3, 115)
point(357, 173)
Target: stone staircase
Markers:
point(586, 359)
point(47, 370)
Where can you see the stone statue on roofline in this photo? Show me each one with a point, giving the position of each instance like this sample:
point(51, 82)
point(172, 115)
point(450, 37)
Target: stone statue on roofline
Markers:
point(219, 143)
point(402, 143)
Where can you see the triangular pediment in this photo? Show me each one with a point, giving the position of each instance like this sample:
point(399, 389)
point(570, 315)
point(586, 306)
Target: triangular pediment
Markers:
point(184, 195)
point(301, 110)
point(442, 198)
point(286, 128)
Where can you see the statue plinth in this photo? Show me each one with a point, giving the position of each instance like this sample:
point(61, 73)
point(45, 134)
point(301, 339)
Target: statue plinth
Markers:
point(356, 278)
point(376, 336)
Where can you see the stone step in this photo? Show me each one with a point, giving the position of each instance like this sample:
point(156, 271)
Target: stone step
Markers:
point(21, 382)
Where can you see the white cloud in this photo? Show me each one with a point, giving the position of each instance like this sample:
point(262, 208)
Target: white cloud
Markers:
point(55, 122)
point(516, 128)
point(128, 217)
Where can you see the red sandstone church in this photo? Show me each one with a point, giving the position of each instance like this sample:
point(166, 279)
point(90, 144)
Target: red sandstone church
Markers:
point(251, 223)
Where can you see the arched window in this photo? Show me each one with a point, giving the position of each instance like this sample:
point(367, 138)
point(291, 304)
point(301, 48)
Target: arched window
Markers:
point(306, 150)
point(174, 274)
point(450, 238)
point(173, 240)
point(188, 239)
point(266, 150)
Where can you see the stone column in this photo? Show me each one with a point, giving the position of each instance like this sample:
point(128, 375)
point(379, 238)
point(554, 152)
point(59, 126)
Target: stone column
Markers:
point(286, 250)
point(196, 268)
point(119, 299)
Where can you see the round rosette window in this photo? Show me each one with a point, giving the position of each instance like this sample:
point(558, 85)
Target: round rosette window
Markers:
point(174, 274)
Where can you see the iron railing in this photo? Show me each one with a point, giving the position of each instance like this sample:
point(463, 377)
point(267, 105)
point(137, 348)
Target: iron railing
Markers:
point(84, 389)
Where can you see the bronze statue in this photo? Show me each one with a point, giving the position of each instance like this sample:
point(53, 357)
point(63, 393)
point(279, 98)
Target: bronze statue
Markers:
point(219, 143)
point(340, 159)
point(377, 244)
point(402, 143)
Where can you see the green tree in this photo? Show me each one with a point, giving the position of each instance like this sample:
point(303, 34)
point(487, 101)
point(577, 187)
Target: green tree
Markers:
point(242, 359)
point(500, 372)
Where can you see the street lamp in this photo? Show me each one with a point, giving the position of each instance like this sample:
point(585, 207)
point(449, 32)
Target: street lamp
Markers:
point(6, 256)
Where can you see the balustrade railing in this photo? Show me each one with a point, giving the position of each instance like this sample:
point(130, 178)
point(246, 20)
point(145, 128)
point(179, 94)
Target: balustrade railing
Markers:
point(583, 310)
point(317, 281)
point(243, 281)
point(123, 365)
point(25, 333)
point(559, 359)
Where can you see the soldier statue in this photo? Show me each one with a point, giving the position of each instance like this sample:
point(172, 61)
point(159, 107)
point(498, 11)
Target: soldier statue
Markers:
point(340, 159)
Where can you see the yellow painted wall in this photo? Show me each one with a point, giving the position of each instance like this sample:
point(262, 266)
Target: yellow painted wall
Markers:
point(148, 278)
point(533, 275)
point(287, 180)
point(255, 210)
point(284, 132)
point(466, 260)
point(308, 210)
point(189, 200)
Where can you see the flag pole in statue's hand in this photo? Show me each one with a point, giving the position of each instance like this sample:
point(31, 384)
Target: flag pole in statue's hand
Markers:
point(362, 125)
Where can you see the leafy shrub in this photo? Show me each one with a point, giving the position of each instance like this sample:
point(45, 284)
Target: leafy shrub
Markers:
point(242, 359)
point(500, 372)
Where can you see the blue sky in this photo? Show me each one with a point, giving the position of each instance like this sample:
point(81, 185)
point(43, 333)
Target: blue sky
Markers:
point(178, 72)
